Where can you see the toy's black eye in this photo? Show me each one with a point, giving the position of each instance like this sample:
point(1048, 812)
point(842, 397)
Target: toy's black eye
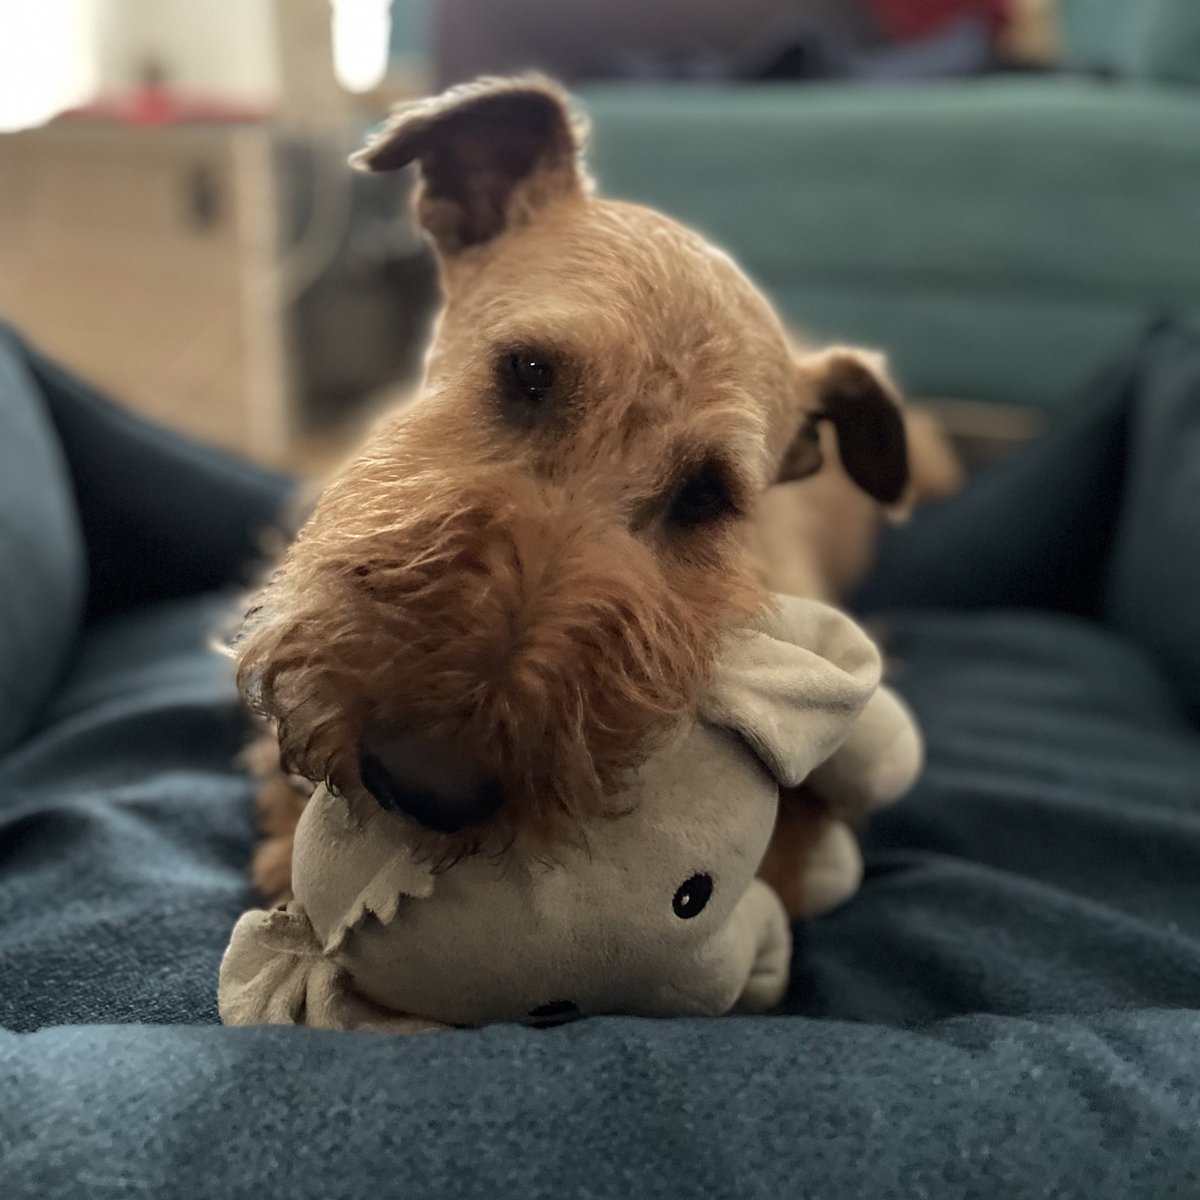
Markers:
point(529, 374)
point(703, 498)
point(692, 896)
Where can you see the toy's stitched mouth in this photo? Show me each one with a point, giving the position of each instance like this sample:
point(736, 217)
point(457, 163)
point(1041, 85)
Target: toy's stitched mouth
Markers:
point(557, 1012)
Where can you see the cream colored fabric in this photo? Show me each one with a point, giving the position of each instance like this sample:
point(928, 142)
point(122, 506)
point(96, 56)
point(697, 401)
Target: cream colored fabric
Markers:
point(877, 763)
point(374, 940)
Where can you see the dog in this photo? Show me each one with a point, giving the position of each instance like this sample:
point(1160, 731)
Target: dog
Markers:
point(521, 580)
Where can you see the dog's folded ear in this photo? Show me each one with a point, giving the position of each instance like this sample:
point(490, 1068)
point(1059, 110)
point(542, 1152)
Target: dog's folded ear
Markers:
point(491, 154)
point(851, 390)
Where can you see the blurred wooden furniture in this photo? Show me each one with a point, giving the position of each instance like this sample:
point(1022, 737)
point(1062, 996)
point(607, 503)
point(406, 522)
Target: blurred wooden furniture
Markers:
point(146, 259)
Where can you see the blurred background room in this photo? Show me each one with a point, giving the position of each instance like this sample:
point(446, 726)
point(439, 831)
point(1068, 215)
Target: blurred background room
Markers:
point(998, 193)
point(1001, 195)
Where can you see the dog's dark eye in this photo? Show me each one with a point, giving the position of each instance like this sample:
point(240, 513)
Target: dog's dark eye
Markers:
point(692, 896)
point(704, 497)
point(530, 375)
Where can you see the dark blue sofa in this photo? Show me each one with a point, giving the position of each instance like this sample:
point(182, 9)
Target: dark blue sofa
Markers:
point(1009, 1009)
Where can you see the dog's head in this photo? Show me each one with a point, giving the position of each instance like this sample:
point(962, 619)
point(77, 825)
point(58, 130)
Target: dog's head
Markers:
point(527, 572)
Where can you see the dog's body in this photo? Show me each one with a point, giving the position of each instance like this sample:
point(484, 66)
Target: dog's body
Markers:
point(522, 579)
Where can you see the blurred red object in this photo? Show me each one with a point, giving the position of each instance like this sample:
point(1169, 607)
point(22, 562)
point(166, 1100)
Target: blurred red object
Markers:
point(154, 101)
point(906, 20)
point(148, 106)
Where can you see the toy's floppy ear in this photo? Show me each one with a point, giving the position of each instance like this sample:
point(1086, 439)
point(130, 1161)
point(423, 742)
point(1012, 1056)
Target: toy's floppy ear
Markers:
point(793, 687)
point(852, 391)
point(877, 763)
point(491, 154)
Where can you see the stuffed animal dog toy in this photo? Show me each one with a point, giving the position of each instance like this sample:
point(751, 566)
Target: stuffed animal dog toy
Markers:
point(655, 910)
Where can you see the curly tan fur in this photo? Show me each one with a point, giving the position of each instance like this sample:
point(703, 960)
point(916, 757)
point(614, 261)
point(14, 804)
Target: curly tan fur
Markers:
point(545, 649)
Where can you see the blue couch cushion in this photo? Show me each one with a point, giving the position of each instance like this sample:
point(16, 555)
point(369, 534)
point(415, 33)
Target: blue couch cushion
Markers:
point(1009, 1002)
point(1010, 1007)
point(999, 237)
point(43, 574)
point(1152, 590)
point(125, 828)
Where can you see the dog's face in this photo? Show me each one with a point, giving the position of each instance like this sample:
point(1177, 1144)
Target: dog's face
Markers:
point(527, 572)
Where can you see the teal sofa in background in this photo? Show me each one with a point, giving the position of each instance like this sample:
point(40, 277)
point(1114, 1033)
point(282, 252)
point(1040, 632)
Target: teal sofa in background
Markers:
point(998, 237)
point(1009, 1008)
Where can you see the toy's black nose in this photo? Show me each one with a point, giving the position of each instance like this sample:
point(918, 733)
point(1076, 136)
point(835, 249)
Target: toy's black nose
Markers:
point(443, 791)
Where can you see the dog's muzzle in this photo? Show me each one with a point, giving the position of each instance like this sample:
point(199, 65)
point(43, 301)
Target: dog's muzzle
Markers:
point(435, 787)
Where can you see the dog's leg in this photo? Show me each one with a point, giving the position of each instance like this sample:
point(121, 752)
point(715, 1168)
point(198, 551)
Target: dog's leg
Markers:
point(279, 800)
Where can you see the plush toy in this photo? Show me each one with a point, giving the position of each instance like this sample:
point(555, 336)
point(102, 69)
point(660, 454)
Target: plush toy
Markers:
point(657, 911)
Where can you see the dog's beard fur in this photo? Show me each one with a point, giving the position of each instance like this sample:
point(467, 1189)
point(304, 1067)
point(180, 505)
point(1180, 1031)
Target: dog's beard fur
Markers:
point(486, 620)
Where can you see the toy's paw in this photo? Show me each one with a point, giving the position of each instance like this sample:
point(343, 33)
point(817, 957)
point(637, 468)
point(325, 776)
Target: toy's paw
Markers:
point(900, 757)
point(832, 873)
point(877, 763)
point(813, 861)
point(273, 972)
point(768, 979)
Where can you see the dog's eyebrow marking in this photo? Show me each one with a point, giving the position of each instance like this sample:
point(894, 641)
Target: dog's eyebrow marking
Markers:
point(636, 421)
point(718, 461)
point(661, 367)
point(687, 456)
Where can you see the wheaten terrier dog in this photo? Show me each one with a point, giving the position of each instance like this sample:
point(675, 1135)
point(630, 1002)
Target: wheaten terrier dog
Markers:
point(524, 575)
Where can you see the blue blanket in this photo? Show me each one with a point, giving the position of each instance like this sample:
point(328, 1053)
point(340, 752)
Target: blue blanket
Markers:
point(1009, 1008)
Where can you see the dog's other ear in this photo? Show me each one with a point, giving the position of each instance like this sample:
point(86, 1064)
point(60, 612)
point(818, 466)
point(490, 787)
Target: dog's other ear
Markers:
point(851, 390)
point(491, 154)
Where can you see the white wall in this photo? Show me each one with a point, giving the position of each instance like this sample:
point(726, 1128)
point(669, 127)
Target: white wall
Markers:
point(47, 58)
point(271, 54)
point(226, 47)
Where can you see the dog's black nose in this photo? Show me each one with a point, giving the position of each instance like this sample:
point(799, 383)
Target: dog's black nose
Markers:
point(438, 789)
